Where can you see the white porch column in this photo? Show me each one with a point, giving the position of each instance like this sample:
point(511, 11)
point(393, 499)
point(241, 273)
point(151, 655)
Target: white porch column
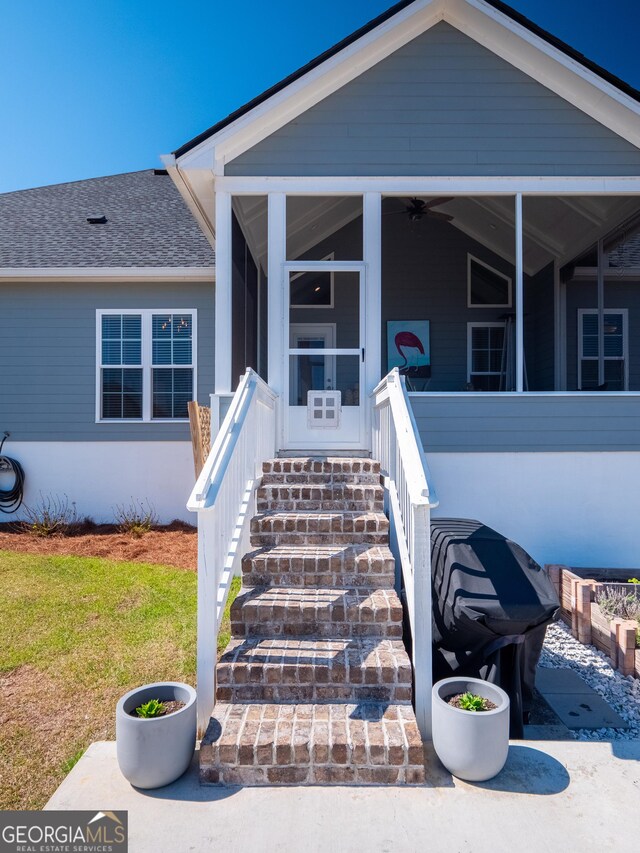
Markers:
point(372, 209)
point(277, 248)
point(519, 298)
point(223, 319)
point(600, 312)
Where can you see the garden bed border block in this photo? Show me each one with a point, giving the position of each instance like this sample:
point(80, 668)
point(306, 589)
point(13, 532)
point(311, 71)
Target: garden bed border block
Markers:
point(579, 610)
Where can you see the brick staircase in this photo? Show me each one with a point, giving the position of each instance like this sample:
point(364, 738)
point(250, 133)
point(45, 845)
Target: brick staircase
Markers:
point(315, 686)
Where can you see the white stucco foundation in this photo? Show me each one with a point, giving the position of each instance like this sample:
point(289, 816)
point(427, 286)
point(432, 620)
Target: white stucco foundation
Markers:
point(98, 475)
point(581, 509)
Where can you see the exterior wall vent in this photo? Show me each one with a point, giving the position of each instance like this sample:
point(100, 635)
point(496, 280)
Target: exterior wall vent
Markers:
point(97, 219)
point(323, 409)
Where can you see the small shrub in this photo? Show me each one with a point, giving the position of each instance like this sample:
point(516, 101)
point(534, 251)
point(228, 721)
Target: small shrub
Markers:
point(615, 602)
point(135, 518)
point(473, 702)
point(634, 580)
point(150, 709)
point(51, 515)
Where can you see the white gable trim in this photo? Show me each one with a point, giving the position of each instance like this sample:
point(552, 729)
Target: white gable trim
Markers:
point(494, 30)
point(108, 274)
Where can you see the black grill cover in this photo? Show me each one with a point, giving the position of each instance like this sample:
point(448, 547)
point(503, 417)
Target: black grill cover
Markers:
point(491, 606)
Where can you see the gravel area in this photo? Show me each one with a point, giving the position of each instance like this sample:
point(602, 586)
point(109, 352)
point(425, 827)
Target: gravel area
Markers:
point(623, 694)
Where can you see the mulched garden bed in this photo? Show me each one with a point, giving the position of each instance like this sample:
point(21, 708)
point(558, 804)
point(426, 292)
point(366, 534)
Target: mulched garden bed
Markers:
point(175, 544)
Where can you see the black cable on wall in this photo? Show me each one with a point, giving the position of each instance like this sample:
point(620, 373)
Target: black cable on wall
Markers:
point(11, 499)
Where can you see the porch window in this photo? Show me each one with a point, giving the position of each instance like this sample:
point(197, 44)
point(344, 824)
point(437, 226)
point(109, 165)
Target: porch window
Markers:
point(486, 287)
point(615, 349)
point(485, 356)
point(145, 364)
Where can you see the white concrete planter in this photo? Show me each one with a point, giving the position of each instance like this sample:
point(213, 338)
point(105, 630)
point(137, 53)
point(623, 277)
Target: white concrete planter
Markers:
point(472, 745)
point(154, 752)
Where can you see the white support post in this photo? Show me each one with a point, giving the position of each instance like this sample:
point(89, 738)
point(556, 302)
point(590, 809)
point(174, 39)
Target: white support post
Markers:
point(276, 324)
point(372, 236)
point(557, 329)
point(600, 312)
point(519, 298)
point(223, 321)
point(422, 640)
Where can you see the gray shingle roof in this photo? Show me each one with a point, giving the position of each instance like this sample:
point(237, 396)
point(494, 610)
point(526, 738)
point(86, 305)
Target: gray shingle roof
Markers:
point(148, 225)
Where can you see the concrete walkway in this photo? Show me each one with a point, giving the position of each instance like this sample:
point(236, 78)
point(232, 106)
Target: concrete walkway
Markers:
point(565, 795)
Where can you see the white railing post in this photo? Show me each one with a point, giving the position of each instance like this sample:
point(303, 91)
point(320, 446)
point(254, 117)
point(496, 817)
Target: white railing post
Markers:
point(397, 443)
point(420, 550)
point(224, 499)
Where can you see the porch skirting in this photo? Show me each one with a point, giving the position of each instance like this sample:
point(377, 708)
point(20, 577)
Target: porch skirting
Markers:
point(98, 475)
point(578, 508)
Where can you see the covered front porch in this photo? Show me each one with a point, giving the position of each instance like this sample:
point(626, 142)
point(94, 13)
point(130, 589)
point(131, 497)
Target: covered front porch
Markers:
point(478, 291)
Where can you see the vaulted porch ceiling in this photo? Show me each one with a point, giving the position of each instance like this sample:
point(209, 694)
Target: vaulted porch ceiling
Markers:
point(556, 228)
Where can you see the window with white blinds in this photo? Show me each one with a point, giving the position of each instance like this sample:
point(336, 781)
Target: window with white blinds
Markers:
point(615, 349)
point(485, 354)
point(145, 364)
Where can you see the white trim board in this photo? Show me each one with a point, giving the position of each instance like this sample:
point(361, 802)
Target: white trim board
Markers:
point(476, 185)
point(109, 274)
point(493, 29)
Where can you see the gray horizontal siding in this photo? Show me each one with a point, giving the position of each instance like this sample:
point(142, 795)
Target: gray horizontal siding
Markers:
point(424, 277)
point(48, 357)
point(441, 105)
point(494, 423)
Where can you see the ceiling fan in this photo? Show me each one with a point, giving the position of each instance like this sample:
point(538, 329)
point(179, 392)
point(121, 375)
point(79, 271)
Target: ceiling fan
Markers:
point(418, 208)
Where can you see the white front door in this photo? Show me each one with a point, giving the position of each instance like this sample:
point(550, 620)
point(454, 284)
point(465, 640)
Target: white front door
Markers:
point(324, 371)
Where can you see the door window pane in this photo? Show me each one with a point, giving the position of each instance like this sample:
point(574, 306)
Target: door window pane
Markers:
point(317, 372)
point(342, 313)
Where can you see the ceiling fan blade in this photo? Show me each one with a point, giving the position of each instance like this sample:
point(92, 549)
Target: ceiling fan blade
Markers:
point(395, 212)
point(434, 202)
point(435, 214)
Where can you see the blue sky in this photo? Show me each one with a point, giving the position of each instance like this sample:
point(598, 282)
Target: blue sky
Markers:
point(96, 88)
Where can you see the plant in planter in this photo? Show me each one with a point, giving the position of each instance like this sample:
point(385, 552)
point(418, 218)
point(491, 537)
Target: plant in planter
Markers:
point(470, 727)
point(156, 733)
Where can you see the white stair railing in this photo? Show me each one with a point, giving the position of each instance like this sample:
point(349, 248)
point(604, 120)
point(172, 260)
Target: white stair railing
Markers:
point(397, 445)
point(224, 499)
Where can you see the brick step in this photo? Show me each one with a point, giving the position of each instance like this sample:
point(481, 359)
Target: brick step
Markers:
point(314, 670)
point(327, 497)
point(326, 478)
point(319, 528)
point(322, 613)
point(320, 565)
point(328, 466)
point(364, 744)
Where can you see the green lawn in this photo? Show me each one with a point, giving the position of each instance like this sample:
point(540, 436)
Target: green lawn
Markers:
point(76, 633)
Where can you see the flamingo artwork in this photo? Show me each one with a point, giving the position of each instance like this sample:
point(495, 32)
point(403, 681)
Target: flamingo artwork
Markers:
point(409, 345)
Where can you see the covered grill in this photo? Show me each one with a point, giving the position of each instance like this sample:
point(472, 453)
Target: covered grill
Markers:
point(491, 606)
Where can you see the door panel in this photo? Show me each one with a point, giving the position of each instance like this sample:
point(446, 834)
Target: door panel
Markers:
point(324, 354)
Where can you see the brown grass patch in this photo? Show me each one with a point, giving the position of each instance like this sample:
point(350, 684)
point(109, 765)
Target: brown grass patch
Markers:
point(42, 725)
